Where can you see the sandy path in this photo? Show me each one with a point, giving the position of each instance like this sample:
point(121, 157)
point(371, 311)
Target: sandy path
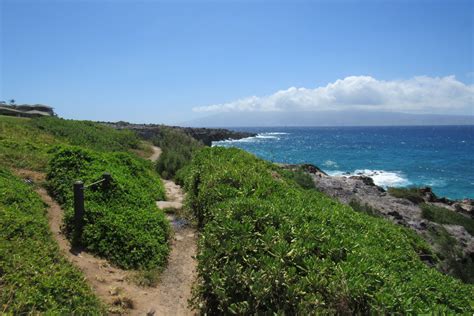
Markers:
point(174, 195)
point(156, 153)
point(112, 285)
point(103, 278)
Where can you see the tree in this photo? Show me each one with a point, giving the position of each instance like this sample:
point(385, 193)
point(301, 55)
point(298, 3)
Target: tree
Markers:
point(12, 102)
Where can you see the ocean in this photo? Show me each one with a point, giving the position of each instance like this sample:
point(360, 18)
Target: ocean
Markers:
point(441, 157)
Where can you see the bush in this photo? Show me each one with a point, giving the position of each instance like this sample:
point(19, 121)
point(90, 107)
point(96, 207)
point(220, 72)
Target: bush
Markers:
point(364, 208)
point(300, 176)
point(34, 276)
point(122, 223)
point(269, 246)
point(177, 150)
point(454, 262)
point(411, 194)
point(442, 215)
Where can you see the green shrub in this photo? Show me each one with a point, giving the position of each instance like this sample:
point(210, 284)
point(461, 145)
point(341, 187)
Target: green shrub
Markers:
point(302, 178)
point(177, 150)
point(411, 194)
point(454, 262)
point(269, 246)
point(442, 215)
point(122, 223)
point(34, 276)
point(364, 208)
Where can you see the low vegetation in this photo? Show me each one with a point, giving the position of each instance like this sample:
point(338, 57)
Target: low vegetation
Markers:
point(453, 262)
point(364, 208)
point(22, 146)
point(122, 222)
point(268, 245)
point(300, 176)
point(88, 134)
point(24, 143)
point(147, 278)
point(412, 194)
point(177, 150)
point(442, 215)
point(34, 276)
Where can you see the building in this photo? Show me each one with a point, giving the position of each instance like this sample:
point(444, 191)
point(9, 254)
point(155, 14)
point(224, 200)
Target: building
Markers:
point(26, 110)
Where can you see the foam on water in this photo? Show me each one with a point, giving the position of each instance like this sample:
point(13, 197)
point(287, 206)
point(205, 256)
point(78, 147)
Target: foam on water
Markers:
point(266, 136)
point(253, 139)
point(330, 163)
point(381, 177)
point(277, 133)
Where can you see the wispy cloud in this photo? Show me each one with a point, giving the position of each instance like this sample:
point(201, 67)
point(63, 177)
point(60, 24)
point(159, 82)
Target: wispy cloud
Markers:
point(421, 94)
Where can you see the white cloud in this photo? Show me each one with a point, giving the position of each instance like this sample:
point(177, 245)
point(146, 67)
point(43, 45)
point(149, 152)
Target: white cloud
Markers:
point(417, 95)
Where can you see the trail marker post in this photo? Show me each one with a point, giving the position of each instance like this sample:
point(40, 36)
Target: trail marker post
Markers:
point(79, 209)
point(107, 180)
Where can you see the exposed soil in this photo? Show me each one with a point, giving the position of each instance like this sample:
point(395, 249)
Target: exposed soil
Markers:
point(174, 196)
point(114, 286)
point(156, 153)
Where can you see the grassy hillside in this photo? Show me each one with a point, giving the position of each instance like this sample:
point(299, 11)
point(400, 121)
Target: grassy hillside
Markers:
point(34, 277)
point(24, 143)
point(123, 224)
point(269, 245)
point(24, 146)
point(88, 134)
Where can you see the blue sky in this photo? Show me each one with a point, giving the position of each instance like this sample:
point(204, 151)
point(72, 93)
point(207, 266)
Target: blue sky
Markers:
point(156, 61)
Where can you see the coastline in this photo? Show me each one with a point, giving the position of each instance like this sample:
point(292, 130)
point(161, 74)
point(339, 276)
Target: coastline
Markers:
point(392, 156)
point(206, 135)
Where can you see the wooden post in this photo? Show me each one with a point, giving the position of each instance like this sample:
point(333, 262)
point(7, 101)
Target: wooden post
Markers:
point(78, 210)
point(107, 180)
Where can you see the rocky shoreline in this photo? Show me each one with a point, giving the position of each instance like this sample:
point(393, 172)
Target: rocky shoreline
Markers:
point(205, 135)
point(361, 191)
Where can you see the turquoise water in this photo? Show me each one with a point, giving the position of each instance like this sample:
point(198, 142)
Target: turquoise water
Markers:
point(437, 156)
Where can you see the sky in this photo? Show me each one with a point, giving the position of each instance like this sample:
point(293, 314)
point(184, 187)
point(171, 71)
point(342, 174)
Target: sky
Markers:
point(172, 61)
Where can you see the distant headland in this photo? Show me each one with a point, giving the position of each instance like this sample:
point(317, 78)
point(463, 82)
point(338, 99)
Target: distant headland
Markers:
point(205, 135)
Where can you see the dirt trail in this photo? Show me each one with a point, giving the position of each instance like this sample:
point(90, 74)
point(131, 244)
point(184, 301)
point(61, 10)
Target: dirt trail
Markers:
point(156, 153)
point(113, 285)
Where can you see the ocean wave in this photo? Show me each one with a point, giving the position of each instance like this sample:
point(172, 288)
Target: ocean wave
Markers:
point(439, 183)
point(381, 177)
point(276, 133)
point(259, 137)
point(266, 136)
point(330, 163)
